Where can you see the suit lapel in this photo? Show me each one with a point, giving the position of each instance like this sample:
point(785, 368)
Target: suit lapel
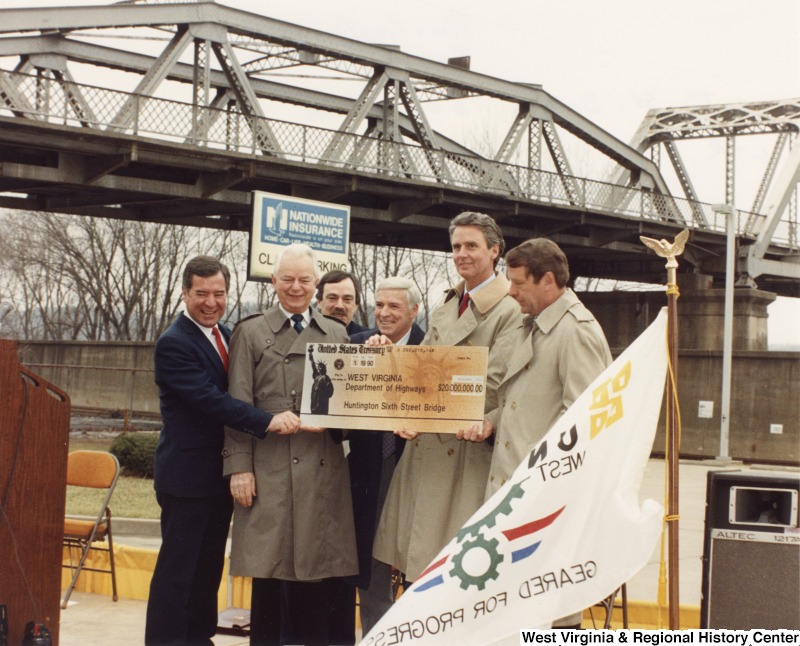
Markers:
point(283, 337)
point(453, 328)
point(416, 336)
point(226, 332)
point(201, 340)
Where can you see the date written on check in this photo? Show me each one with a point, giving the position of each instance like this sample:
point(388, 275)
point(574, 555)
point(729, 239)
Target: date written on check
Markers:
point(428, 389)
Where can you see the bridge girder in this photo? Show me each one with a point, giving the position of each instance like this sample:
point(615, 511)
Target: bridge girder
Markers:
point(779, 119)
point(202, 173)
point(316, 47)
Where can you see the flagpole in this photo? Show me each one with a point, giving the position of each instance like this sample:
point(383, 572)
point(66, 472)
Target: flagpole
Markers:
point(670, 251)
point(673, 442)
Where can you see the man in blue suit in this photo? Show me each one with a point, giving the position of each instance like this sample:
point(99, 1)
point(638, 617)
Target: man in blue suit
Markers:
point(374, 454)
point(191, 360)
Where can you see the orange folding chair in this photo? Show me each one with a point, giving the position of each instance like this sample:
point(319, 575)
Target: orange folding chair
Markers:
point(96, 470)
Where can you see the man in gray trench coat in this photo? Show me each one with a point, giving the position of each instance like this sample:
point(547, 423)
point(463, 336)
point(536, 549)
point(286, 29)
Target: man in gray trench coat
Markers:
point(293, 518)
point(440, 480)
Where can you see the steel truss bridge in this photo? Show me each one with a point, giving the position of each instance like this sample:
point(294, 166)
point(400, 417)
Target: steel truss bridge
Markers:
point(175, 113)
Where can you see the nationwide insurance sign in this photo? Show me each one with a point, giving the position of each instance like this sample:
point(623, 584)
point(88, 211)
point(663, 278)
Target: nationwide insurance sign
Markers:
point(279, 220)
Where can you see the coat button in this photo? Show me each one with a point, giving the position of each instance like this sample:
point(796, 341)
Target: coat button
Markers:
point(286, 360)
point(296, 460)
point(417, 443)
point(322, 462)
point(491, 478)
point(506, 445)
point(225, 452)
point(294, 392)
point(450, 451)
point(513, 405)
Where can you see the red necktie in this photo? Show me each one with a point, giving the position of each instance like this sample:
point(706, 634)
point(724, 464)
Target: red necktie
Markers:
point(464, 304)
point(223, 352)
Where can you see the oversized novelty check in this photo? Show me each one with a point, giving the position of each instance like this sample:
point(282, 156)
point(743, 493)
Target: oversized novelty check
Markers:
point(436, 389)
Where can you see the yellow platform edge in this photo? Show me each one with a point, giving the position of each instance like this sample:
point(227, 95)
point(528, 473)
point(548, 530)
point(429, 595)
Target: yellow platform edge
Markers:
point(134, 566)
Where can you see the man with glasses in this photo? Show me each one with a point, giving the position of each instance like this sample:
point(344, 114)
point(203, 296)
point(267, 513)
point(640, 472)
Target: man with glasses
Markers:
point(293, 518)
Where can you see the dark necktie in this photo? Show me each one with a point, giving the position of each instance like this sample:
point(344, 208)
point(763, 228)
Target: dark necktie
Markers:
point(223, 352)
point(298, 322)
point(464, 304)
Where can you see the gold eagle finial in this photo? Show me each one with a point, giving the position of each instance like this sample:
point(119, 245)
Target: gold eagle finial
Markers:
point(667, 249)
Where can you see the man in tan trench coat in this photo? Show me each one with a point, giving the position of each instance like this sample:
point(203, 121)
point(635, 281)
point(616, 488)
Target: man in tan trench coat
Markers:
point(293, 518)
point(550, 359)
point(441, 478)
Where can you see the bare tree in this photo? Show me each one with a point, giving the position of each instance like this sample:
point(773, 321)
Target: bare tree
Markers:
point(246, 297)
point(433, 273)
point(38, 289)
point(74, 277)
point(71, 277)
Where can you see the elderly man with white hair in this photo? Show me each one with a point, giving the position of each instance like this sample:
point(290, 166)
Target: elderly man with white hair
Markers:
point(293, 519)
point(374, 454)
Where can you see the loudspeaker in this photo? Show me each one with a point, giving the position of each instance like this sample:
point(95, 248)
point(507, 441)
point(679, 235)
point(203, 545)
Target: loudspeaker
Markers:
point(751, 551)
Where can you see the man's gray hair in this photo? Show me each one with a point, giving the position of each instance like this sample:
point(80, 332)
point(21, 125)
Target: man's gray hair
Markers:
point(296, 250)
point(398, 282)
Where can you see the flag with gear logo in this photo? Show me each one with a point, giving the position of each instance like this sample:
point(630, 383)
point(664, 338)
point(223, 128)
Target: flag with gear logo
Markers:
point(563, 533)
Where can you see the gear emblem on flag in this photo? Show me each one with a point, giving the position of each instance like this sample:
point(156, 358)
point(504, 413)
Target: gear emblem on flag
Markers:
point(503, 509)
point(478, 580)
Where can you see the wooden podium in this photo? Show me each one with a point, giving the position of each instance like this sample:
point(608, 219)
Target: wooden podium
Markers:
point(34, 437)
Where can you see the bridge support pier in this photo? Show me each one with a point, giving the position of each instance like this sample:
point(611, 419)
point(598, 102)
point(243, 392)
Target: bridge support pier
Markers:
point(624, 315)
point(764, 406)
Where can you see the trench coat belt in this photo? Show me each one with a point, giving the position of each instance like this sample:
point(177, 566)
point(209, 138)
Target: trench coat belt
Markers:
point(280, 404)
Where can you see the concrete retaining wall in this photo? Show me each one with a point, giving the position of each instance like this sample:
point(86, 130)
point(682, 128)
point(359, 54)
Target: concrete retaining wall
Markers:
point(113, 376)
point(119, 376)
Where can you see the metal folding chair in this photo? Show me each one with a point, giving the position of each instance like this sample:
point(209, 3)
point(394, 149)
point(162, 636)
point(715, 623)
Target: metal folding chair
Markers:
point(96, 470)
point(609, 605)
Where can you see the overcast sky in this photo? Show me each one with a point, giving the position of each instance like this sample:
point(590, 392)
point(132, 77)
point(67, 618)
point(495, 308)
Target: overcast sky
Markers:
point(611, 61)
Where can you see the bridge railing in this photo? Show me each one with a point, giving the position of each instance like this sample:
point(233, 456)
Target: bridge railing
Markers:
point(48, 99)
